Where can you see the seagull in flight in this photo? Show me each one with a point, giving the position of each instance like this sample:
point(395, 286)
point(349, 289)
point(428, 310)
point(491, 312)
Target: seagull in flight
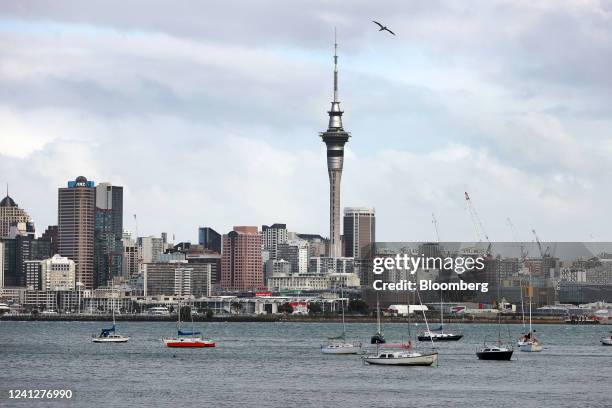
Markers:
point(382, 27)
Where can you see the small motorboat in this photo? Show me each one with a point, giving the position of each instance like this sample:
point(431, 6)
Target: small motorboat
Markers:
point(401, 358)
point(495, 353)
point(607, 341)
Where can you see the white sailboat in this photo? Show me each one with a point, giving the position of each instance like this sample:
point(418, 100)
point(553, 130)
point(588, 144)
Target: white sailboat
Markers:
point(110, 335)
point(439, 334)
point(338, 344)
point(403, 358)
point(529, 342)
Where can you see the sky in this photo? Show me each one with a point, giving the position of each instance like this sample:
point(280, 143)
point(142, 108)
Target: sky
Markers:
point(209, 113)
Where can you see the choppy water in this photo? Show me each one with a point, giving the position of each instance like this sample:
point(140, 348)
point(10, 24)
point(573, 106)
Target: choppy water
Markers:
point(280, 365)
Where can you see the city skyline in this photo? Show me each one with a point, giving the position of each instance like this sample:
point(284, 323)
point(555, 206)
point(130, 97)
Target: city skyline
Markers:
point(210, 121)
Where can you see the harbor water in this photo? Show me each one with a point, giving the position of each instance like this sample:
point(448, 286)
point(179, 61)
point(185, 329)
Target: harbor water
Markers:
point(280, 365)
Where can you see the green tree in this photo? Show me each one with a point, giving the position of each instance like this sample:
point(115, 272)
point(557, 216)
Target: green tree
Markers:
point(314, 308)
point(185, 313)
point(358, 306)
point(285, 308)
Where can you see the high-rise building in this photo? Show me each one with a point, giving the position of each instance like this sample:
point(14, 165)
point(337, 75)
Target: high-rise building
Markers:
point(76, 225)
point(359, 232)
point(51, 235)
point(130, 259)
point(150, 248)
point(10, 214)
point(108, 253)
point(296, 253)
point(209, 239)
point(241, 262)
point(273, 236)
point(1, 264)
point(335, 138)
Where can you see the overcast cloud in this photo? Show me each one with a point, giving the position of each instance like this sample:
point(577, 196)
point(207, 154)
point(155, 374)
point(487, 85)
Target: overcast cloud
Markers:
point(208, 113)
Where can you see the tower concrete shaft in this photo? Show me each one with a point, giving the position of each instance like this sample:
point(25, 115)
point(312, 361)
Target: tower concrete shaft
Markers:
point(335, 138)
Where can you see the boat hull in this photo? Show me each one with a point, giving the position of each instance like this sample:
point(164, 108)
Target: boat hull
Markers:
point(446, 337)
point(606, 341)
point(530, 347)
point(505, 355)
point(188, 343)
point(110, 340)
point(340, 350)
point(422, 360)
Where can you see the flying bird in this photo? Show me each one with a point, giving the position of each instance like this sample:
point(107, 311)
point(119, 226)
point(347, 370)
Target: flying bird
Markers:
point(382, 27)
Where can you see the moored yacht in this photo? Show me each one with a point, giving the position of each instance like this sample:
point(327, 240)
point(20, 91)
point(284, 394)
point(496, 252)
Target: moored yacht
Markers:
point(493, 352)
point(401, 358)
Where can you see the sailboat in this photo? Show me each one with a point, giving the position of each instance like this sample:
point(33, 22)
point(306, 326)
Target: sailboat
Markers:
point(110, 335)
point(187, 338)
point(378, 338)
point(607, 340)
point(402, 358)
point(529, 342)
point(338, 344)
point(439, 334)
point(497, 351)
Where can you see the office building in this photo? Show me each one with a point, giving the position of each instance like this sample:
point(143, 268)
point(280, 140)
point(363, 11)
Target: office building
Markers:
point(51, 235)
point(273, 236)
point(177, 278)
point(108, 251)
point(76, 225)
point(150, 248)
point(209, 239)
point(359, 232)
point(241, 262)
point(296, 253)
point(130, 258)
point(10, 214)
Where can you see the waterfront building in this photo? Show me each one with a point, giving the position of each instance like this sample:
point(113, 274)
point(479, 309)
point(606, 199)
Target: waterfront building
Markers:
point(10, 214)
point(296, 253)
point(76, 225)
point(108, 250)
point(359, 232)
point(241, 262)
point(335, 137)
point(277, 267)
point(273, 236)
point(312, 281)
point(323, 265)
point(209, 239)
point(1, 264)
point(177, 278)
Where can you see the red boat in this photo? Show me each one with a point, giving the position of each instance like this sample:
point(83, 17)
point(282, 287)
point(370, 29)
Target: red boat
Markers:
point(188, 342)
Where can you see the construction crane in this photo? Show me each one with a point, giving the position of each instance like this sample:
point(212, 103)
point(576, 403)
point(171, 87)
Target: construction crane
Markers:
point(435, 224)
point(478, 227)
point(524, 251)
point(543, 253)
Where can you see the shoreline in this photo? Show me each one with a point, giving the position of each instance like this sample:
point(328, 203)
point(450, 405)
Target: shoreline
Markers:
point(277, 318)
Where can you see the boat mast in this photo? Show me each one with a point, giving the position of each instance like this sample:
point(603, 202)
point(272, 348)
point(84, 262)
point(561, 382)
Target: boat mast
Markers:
point(342, 308)
point(378, 314)
point(530, 300)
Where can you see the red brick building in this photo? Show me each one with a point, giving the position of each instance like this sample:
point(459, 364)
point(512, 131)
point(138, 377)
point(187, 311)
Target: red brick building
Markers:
point(241, 262)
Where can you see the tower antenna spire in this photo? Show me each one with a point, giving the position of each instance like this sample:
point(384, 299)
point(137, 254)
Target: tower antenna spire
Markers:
point(335, 65)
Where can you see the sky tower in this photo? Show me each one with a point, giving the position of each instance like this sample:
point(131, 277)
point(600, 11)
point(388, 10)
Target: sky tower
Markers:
point(335, 137)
